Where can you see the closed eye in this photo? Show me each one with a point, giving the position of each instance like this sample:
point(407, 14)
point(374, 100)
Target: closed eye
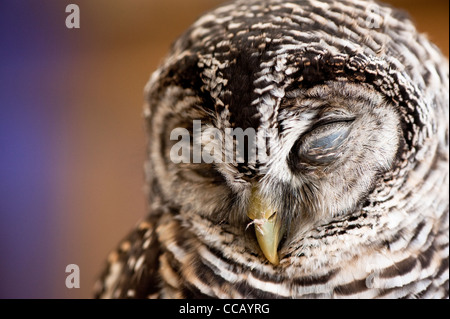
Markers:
point(323, 144)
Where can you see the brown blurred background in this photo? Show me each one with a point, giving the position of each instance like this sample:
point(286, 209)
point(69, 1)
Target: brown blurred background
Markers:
point(97, 179)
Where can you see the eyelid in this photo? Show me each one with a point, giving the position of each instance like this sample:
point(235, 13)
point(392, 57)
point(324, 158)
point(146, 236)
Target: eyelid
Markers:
point(319, 147)
point(331, 120)
point(334, 139)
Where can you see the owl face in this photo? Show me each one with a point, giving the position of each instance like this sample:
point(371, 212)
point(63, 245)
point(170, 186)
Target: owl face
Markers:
point(333, 120)
point(331, 144)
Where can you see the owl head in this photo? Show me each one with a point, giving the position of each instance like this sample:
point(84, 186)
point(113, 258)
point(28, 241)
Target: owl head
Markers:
point(269, 118)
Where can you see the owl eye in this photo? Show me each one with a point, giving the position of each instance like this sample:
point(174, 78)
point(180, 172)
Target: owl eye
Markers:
point(324, 143)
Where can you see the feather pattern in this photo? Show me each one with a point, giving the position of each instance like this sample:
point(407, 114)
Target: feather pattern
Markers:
point(371, 224)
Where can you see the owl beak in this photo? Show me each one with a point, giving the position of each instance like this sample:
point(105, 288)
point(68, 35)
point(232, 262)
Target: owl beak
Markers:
point(267, 226)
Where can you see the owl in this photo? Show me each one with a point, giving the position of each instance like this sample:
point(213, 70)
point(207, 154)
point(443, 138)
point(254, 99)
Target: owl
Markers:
point(296, 149)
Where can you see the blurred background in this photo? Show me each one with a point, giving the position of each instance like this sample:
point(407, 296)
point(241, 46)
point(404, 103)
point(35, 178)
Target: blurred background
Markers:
point(72, 136)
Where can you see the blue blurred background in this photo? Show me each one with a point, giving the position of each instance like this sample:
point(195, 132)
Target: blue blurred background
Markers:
point(72, 140)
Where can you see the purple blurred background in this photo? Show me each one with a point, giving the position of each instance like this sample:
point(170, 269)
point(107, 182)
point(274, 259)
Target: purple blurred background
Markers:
point(72, 139)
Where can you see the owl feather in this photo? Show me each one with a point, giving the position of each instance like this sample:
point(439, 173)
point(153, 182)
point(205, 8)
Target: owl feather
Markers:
point(349, 198)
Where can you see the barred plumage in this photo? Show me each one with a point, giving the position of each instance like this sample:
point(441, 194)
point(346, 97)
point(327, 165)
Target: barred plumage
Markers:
point(353, 103)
